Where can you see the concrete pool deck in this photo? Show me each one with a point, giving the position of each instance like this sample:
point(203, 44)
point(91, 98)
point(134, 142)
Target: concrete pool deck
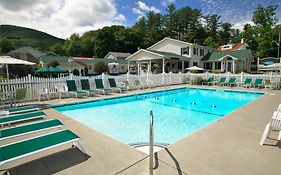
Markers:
point(229, 145)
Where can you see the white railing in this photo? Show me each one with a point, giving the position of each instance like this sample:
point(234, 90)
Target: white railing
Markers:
point(153, 80)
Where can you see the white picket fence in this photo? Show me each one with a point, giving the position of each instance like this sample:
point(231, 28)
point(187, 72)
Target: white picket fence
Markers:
point(33, 84)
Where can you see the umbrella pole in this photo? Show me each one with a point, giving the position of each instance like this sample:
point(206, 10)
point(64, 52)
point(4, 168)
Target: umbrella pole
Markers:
point(7, 71)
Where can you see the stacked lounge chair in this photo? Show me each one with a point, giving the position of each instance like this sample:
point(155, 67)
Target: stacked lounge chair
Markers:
point(258, 83)
point(100, 87)
point(221, 81)
point(72, 89)
point(114, 86)
point(247, 82)
point(210, 81)
point(230, 82)
point(86, 86)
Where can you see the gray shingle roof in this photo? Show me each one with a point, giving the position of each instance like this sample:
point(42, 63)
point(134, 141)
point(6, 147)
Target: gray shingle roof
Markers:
point(239, 54)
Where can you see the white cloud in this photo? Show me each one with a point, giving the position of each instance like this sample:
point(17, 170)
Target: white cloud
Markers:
point(167, 2)
point(142, 9)
point(61, 18)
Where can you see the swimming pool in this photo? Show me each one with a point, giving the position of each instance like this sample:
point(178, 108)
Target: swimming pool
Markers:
point(177, 113)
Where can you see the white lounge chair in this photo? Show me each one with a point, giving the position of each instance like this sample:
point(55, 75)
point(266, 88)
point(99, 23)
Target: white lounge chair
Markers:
point(274, 124)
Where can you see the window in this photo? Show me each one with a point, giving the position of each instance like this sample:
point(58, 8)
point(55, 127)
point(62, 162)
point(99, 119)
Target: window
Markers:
point(195, 64)
point(186, 64)
point(194, 51)
point(185, 51)
point(179, 65)
point(90, 67)
point(208, 65)
point(217, 65)
point(201, 52)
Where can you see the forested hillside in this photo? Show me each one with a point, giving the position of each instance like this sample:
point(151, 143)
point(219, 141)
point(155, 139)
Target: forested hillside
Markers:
point(12, 37)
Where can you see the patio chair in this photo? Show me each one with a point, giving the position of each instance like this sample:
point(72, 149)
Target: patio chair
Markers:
point(21, 117)
point(274, 124)
point(41, 91)
point(247, 82)
point(139, 84)
point(72, 89)
point(22, 109)
point(114, 86)
point(100, 87)
point(38, 144)
point(231, 81)
point(258, 83)
point(127, 85)
point(29, 128)
point(60, 89)
point(86, 86)
point(221, 81)
point(209, 81)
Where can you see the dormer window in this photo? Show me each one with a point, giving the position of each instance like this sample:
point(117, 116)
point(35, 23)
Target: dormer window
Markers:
point(195, 51)
point(185, 51)
point(201, 52)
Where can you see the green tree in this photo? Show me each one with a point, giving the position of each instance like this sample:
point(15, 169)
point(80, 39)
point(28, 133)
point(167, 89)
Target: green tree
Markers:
point(6, 45)
point(100, 67)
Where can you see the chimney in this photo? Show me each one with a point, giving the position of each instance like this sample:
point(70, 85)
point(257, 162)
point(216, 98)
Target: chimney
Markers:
point(242, 40)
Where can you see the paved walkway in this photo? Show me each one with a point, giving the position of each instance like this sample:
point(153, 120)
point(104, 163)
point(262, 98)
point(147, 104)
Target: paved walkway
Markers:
point(228, 146)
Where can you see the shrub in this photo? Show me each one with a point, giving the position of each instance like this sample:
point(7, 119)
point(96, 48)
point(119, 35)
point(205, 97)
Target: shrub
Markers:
point(100, 67)
point(239, 70)
point(199, 80)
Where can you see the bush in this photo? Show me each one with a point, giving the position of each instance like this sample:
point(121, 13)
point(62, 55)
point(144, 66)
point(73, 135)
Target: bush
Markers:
point(199, 80)
point(100, 67)
point(239, 70)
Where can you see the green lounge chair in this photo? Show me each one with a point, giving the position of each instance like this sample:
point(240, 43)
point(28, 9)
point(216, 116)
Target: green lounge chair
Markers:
point(30, 128)
point(72, 88)
point(209, 81)
point(247, 82)
point(22, 109)
point(28, 147)
point(86, 86)
point(21, 117)
point(230, 82)
point(100, 87)
point(258, 83)
point(113, 85)
point(221, 81)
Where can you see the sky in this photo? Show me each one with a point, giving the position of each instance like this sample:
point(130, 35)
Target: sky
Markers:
point(62, 18)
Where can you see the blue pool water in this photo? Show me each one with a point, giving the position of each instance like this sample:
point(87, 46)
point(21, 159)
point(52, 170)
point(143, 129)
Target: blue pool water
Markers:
point(177, 113)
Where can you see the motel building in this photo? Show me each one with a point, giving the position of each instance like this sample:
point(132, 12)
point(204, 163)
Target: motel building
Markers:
point(170, 55)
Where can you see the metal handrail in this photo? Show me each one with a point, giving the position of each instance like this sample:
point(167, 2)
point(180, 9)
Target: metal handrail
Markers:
point(151, 144)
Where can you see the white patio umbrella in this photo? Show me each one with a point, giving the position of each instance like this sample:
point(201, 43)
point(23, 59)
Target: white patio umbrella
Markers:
point(194, 68)
point(9, 60)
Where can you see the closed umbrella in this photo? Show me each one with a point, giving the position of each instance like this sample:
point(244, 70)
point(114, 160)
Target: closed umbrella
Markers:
point(9, 60)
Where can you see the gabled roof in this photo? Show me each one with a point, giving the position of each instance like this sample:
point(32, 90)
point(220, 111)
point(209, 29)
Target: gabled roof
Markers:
point(27, 50)
point(118, 54)
point(238, 54)
point(174, 40)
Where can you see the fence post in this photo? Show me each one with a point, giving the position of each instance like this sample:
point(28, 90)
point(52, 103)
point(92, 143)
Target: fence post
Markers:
point(228, 75)
point(180, 75)
point(170, 78)
point(241, 77)
point(71, 76)
point(271, 76)
point(30, 86)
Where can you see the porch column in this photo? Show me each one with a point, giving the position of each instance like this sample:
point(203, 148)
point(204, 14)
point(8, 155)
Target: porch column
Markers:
point(213, 66)
point(128, 66)
point(138, 67)
point(163, 71)
point(233, 66)
point(149, 66)
point(182, 66)
point(222, 66)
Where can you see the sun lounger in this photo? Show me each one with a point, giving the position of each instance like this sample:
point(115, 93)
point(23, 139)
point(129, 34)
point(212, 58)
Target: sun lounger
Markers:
point(209, 81)
point(247, 82)
point(230, 82)
point(29, 128)
point(274, 124)
point(86, 86)
point(140, 85)
point(72, 89)
point(114, 86)
point(21, 117)
point(100, 87)
point(258, 83)
point(22, 109)
point(28, 147)
point(127, 85)
point(221, 81)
